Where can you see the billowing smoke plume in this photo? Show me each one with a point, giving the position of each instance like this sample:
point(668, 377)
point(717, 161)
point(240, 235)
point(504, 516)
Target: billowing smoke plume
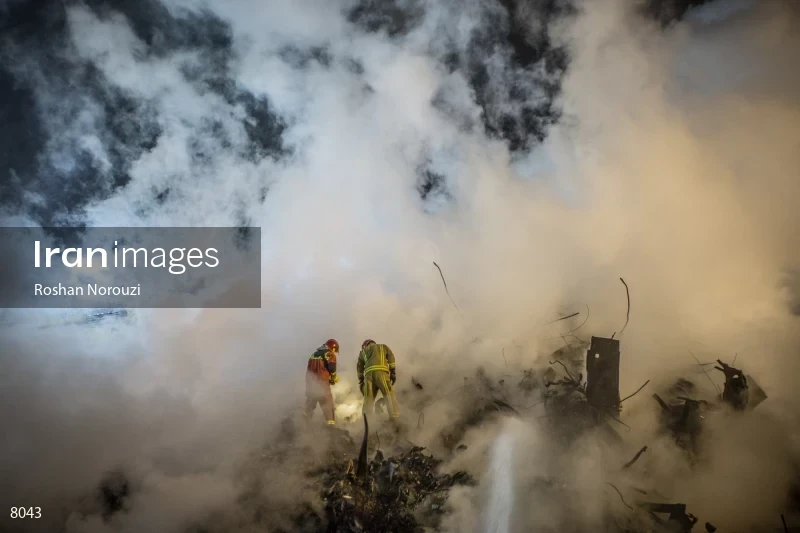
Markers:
point(536, 151)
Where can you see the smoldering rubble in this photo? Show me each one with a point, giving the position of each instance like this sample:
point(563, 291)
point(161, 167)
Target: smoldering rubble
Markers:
point(368, 475)
point(683, 140)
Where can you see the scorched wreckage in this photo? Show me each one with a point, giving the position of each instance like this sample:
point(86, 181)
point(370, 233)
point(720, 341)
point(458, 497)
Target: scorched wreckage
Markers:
point(365, 472)
point(188, 112)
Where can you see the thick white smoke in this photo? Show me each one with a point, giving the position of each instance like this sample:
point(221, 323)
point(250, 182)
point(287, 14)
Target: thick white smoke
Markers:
point(674, 165)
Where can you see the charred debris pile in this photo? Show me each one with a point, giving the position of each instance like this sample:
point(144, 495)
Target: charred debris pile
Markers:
point(400, 487)
point(397, 486)
point(353, 488)
point(404, 493)
point(386, 483)
point(574, 406)
point(407, 491)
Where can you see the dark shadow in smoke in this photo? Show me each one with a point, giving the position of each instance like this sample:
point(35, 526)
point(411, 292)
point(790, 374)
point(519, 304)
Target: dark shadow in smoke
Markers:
point(395, 17)
point(524, 124)
point(667, 12)
point(20, 138)
point(432, 186)
point(509, 28)
point(264, 129)
point(165, 33)
point(53, 194)
point(506, 28)
point(114, 492)
point(54, 189)
point(529, 47)
point(302, 59)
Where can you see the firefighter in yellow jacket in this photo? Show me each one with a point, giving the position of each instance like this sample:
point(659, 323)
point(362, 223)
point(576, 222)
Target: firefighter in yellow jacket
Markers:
point(376, 372)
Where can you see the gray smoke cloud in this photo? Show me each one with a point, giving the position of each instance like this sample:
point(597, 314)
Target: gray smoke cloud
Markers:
point(368, 143)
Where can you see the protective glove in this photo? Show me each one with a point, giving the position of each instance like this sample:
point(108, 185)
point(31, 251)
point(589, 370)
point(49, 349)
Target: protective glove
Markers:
point(392, 376)
point(361, 386)
point(334, 379)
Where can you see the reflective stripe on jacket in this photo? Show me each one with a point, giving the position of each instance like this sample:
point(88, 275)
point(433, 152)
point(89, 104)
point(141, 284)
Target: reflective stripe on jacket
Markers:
point(375, 357)
point(321, 364)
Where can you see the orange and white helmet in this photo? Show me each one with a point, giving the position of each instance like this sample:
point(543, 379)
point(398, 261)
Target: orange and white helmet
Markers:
point(332, 345)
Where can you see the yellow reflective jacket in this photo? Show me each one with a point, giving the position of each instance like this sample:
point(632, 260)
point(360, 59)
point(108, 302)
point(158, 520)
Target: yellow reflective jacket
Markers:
point(375, 357)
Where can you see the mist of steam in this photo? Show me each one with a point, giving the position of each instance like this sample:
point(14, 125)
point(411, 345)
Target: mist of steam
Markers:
point(501, 481)
point(367, 147)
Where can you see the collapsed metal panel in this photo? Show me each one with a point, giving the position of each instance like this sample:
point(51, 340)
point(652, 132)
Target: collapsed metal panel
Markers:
point(602, 373)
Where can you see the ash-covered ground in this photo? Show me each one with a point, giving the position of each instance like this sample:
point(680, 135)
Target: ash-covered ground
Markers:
point(553, 447)
point(450, 178)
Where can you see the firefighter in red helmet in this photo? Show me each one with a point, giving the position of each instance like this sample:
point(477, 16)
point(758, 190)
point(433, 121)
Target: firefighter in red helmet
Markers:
point(320, 375)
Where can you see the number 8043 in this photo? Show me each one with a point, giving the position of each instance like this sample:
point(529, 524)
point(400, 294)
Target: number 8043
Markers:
point(26, 512)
